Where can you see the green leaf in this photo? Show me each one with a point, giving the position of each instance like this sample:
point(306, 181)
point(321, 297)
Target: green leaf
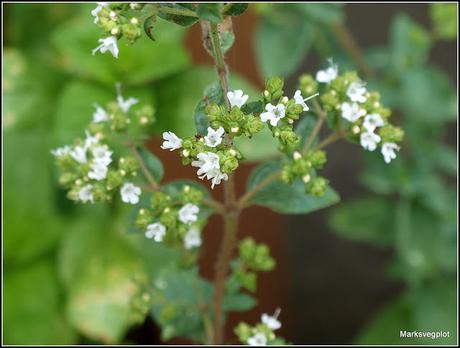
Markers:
point(102, 272)
point(304, 127)
point(322, 13)
point(236, 9)
point(29, 198)
point(238, 302)
point(444, 18)
point(32, 307)
point(212, 94)
point(210, 12)
point(286, 198)
point(181, 297)
point(410, 43)
point(227, 38)
point(367, 219)
point(76, 39)
point(282, 45)
point(148, 26)
point(426, 95)
point(152, 163)
point(184, 21)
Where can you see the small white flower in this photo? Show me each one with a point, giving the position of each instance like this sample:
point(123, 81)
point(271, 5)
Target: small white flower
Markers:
point(133, 5)
point(372, 121)
point(86, 194)
point(95, 12)
point(125, 105)
point(102, 155)
point(299, 99)
point(214, 137)
point(61, 151)
point(369, 140)
point(78, 153)
point(273, 113)
point(156, 231)
point(98, 171)
point(356, 92)
point(192, 238)
point(329, 74)
point(389, 151)
point(172, 141)
point(259, 339)
point(272, 321)
point(237, 98)
point(188, 213)
point(217, 177)
point(352, 112)
point(130, 193)
point(100, 115)
point(108, 44)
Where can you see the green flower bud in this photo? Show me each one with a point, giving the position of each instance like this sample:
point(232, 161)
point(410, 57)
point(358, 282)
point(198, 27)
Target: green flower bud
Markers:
point(274, 86)
point(317, 186)
point(160, 200)
point(253, 125)
point(168, 218)
point(243, 331)
point(213, 112)
point(192, 195)
point(228, 162)
point(128, 164)
point(67, 178)
point(293, 110)
point(317, 158)
point(308, 84)
point(143, 219)
point(145, 115)
point(100, 193)
point(391, 133)
point(114, 179)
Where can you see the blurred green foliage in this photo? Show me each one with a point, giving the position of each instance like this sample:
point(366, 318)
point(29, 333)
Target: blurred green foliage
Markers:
point(76, 274)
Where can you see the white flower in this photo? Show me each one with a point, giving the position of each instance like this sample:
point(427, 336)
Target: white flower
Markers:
point(216, 177)
point(156, 231)
point(192, 238)
point(90, 140)
point(272, 321)
point(388, 151)
point(125, 105)
point(299, 99)
point(188, 213)
point(172, 141)
point(259, 339)
point(372, 121)
point(214, 137)
point(100, 115)
point(95, 12)
point(102, 155)
point(273, 113)
point(86, 194)
point(369, 140)
point(352, 112)
point(98, 171)
point(329, 74)
point(61, 151)
point(130, 193)
point(78, 153)
point(356, 92)
point(108, 44)
point(237, 98)
point(209, 168)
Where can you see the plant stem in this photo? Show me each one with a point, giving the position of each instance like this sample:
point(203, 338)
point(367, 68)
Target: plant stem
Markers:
point(329, 140)
point(322, 115)
point(150, 179)
point(177, 11)
point(349, 44)
point(219, 61)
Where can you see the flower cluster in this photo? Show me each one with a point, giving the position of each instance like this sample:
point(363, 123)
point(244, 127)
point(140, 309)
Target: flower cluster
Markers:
point(280, 112)
point(88, 168)
point(358, 113)
point(252, 258)
point(173, 218)
point(305, 167)
point(261, 334)
point(117, 20)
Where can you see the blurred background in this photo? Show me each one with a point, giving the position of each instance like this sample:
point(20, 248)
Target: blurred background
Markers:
point(382, 260)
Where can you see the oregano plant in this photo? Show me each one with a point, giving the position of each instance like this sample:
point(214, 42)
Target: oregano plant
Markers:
point(111, 162)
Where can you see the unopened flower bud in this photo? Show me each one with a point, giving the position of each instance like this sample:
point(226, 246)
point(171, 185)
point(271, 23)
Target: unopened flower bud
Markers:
point(144, 120)
point(122, 172)
point(186, 188)
point(296, 155)
point(134, 21)
point(114, 31)
point(113, 15)
point(306, 178)
point(232, 152)
point(284, 100)
point(266, 94)
point(356, 129)
point(234, 129)
point(185, 153)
